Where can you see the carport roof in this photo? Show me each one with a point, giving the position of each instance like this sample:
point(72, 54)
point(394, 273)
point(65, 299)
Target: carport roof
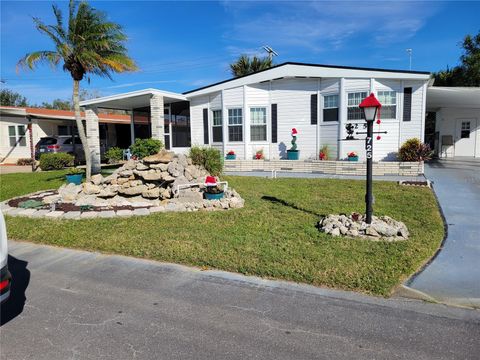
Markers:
point(453, 97)
point(132, 100)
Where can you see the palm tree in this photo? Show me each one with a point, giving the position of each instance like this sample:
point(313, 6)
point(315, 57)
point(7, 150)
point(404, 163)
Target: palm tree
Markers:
point(88, 44)
point(246, 65)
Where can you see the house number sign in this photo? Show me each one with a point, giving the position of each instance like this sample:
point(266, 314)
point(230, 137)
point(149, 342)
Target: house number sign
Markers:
point(369, 147)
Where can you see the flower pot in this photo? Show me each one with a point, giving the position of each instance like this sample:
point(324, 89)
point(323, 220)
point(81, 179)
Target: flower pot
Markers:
point(74, 179)
point(293, 154)
point(231, 156)
point(218, 196)
point(353, 158)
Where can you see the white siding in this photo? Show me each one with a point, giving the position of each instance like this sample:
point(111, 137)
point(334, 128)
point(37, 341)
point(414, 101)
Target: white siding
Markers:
point(197, 104)
point(216, 101)
point(413, 128)
point(233, 97)
point(328, 136)
point(293, 99)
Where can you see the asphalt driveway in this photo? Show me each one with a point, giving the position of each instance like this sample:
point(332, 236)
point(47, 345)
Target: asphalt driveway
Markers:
point(454, 275)
point(70, 304)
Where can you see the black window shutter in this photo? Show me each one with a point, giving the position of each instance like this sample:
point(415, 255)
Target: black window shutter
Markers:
point(205, 126)
point(274, 123)
point(407, 104)
point(313, 109)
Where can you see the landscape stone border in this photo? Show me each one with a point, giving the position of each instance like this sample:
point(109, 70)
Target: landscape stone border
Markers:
point(53, 214)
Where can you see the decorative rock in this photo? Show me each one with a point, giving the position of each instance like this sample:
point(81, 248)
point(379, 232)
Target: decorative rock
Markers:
point(156, 209)
point(54, 214)
point(136, 190)
point(152, 176)
point(175, 169)
point(161, 166)
point(106, 214)
point(381, 228)
point(72, 215)
point(39, 213)
point(130, 165)
point(141, 167)
point(27, 212)
point(151, 193)
point(89, 215)
point(109, 191)
point(162, 157)
point(182, 160)
point(141, 212)
point(90, 189)
point(69, 193)
point(124, 212)
point(51, 199)
point(335, 232)
point(97, 179)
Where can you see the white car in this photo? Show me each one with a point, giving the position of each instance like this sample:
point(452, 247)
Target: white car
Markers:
point(5, 278)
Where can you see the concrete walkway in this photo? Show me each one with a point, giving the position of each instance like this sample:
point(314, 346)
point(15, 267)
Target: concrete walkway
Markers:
point(453, 277)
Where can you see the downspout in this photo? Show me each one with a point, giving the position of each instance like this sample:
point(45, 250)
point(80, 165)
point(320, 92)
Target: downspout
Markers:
point(30, 135)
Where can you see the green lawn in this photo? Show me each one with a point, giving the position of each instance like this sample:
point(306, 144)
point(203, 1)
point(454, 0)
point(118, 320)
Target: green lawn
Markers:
point(273, 236)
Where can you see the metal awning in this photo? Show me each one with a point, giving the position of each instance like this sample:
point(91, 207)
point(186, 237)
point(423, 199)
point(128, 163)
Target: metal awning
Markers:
point(452, 97)
point(132, 100)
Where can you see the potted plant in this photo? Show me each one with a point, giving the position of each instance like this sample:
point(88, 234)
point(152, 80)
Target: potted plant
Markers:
point(231, 155)
point(259, 155)
point(323, 153)
point(212, 190)
point(293, 153)
point(74, 176)
point(352, 156)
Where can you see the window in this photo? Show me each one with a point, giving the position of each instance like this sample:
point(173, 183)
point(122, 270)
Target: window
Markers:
point(63, 130)
point(465, 131)
point(16, 135)
point(258, 124)
point(217, 131)
point(353, 111)
point(330, 108)
point(235, 125)
point(407, 104)
point(388, 99)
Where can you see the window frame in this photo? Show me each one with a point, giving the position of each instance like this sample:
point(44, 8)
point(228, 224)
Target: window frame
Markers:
point(324, 97)
point(241, 126)
point(379, 97)
point(213, 111)
point(17, 137)
point(355, 106)
point(264, 125)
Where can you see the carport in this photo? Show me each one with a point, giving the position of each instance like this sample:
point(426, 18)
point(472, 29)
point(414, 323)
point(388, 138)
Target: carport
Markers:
point(157, 114)
point(455, 112)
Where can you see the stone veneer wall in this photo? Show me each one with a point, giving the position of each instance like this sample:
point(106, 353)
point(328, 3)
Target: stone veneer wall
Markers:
point(326, 167)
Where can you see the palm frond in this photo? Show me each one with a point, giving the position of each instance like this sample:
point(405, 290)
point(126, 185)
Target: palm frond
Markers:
point(31, 59)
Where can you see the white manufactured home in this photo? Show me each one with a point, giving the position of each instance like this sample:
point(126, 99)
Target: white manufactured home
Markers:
point(257, 111)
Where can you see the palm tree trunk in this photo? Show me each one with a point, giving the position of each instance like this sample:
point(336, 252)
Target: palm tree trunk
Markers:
point(81, 129)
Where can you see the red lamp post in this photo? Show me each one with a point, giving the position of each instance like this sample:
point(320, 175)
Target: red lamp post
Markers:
point(370, 105)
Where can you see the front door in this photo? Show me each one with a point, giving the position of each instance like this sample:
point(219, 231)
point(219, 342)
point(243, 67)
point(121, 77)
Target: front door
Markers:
point(465, 137)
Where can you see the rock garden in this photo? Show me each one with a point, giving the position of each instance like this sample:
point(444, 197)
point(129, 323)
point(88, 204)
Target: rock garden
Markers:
point(157, 183)
point(354, 225)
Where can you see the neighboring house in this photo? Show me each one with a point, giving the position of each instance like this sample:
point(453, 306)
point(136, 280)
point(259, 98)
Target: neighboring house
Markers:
point(454, 126)
point(258, 111)
point(15, 137)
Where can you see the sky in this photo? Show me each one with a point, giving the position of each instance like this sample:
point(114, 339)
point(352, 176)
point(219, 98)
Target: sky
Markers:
point(182, 45)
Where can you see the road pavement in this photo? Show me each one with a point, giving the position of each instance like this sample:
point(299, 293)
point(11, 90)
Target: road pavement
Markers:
point(69, 304)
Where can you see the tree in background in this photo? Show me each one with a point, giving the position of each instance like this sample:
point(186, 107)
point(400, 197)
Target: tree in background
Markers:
point(468, 72)
point(12, 98)
point(88, 44)
point(58, 104)
point(246, 65)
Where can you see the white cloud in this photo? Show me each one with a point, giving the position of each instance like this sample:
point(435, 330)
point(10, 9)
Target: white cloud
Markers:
point(321, 26)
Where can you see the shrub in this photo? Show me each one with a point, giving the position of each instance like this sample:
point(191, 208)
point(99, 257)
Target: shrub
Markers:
point(114, 155)
point(25, 161)
point(324, 152)
point(74, 171)
point(414, 150)
point(146, 147)
point(55, 161)
point(210, 158)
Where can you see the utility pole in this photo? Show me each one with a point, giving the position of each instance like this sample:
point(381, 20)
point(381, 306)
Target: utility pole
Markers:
point(409, 51)
point(270, 51)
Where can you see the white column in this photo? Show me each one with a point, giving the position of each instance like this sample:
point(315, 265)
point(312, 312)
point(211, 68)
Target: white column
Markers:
point(93, 138)
point(342, 115)
point(157, 117)
point(224, 126)
point(246, 124)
